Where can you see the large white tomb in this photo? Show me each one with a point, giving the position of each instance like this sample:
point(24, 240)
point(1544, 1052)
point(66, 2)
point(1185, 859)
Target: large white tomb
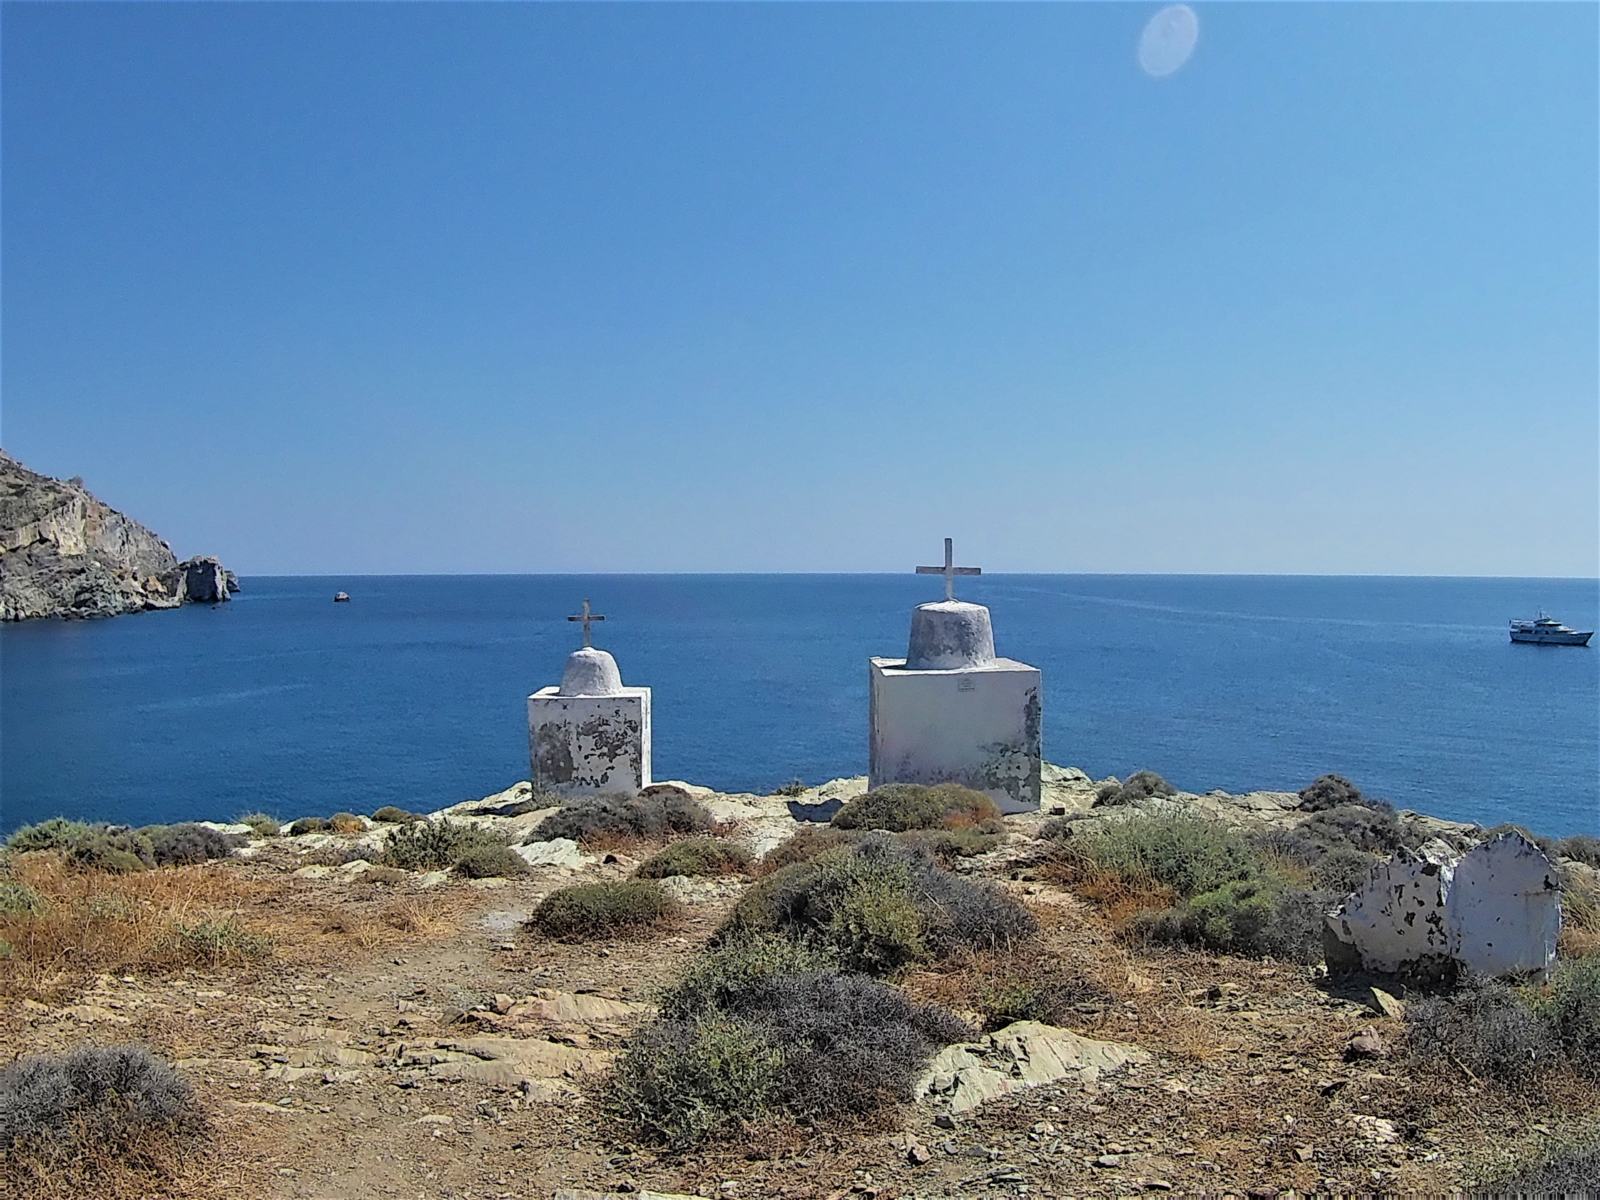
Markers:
point(951, 711)
point(591, 734)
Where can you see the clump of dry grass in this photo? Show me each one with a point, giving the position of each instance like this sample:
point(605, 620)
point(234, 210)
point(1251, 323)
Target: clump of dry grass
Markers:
point(89, 922)
point(1011, 984)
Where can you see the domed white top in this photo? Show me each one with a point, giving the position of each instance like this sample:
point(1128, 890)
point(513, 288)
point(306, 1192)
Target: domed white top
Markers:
point(948, 635)
point(591, 672)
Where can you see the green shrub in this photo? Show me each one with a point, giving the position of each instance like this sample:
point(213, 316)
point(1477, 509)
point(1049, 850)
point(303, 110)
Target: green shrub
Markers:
point(261, 824)
point(805, 844)
point(1254, 918)
point(1187, 854)
point(57, 833)
point(947, 845)
point(1141, 785)
point(310, 825)
point(490, 862)
point(1569, 1167)
point(586, 911)
point(1483, 1027)
point(763, 1029)
point(339, 855)
point(390, 815)
point(616, 819)
point(87, 847)
point(681, 1082)
point(215, 943)
point(1335, 791)
point(901, 806)
point(58, 1113)
point(695, 856)
point(435, 845)
point(716, 978)
point(795, 787)
point(1570, 1008)
point(18, 899)
point(186, 844)
point(1343, 870)
point(1581, 848)
point(879, 905)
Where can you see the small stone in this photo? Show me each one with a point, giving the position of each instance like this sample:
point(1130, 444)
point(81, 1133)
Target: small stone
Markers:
point(944, 1121)
point(1108, 1160)
point(1382, 1002)
point(917, 1155)
point(1366, 1044)
point(1156, 1185)
point(502, 1003)
point(1304, 1153)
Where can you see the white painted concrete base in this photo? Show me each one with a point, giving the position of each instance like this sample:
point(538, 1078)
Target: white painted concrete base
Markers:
point(975, 725)
point(1495, 911)
point(587, 745)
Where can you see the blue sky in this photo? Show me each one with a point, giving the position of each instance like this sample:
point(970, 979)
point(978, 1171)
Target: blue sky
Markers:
point(381, 288)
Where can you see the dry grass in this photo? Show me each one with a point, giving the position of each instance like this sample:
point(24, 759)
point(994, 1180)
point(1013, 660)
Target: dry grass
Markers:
point(1119, 897)
point(1580, 927)
point(92, 922)
point(146, 1167)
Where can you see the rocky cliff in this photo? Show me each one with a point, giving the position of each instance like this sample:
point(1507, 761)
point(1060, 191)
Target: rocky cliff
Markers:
point(63, 553)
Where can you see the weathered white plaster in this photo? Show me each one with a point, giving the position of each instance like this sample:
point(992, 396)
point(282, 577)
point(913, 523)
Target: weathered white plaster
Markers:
point(977, 726)
point(587, 745)
point(1495, 911)
point(591, 672)
point(949, 634)
point(1505, 908)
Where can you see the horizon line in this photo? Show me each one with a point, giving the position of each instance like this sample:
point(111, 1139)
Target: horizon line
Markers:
point(885, 574)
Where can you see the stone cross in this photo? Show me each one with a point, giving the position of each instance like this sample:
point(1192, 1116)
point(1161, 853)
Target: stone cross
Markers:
point(949, 571)
point(586, 617)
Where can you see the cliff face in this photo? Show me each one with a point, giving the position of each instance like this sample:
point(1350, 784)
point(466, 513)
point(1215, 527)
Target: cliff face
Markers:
point(63, 553)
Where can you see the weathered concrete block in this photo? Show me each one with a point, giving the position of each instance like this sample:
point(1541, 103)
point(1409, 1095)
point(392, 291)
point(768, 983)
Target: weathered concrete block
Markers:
point(587, 745)
point(974, 725)
point(1495, 911)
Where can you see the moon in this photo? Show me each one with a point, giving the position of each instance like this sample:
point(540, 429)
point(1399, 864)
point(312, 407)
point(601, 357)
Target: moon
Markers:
point(1168, 40)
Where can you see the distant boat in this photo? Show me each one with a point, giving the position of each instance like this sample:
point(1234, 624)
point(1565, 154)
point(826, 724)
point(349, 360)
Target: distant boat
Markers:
point(1547, 631)
point(341, 597)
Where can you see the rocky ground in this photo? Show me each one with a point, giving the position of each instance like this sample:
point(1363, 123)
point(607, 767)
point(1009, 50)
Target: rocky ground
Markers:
point(406, 1036)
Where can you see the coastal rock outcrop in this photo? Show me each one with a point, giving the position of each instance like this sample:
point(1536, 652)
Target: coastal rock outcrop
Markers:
point(63, 553)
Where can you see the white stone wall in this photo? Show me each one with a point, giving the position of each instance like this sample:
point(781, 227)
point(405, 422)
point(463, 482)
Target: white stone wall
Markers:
point(587, 745)
point(977, 726)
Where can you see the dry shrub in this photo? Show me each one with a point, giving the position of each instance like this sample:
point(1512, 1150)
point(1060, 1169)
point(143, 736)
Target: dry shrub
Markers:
point(898, 807)
point(418, 915)
point(1009, 985)
point(1120, 896)
point(1580, 911)
point(343, 822)
point(803, 845)
point(695, 856)
point(96, 1121)
point(615, 822)
point(1141, 785)
point(587, 911)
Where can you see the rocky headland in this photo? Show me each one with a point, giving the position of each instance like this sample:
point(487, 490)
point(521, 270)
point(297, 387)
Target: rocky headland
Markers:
point(64, 553)
point(1124, 993)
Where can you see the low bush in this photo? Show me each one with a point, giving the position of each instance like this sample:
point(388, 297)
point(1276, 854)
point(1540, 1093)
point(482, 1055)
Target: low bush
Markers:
point(947, 845)
point(339, 855)
point(1141, 785)
point(795, 787)
point(759, 1029)
point(879, 905)
point(1342, 870)
point(1335, 791)
point(18, 899)
point(1484, 1028)
point(435, 845)
point(898, 807)
point(310, 825)
point(1569, 1167)
point(1013, 985)
point(344, 822)
point(261, 824)
point(1580, 848)
point(587, 911)
point(87, 847)
point(1186, 854)
point(220, 943)
point(805, 844)
point(619, 820)
point(1261, 917)
point(186, 844)
point(489, 862)
point(695, 856)
point(63, 1118)
point(1570, 1008)
point(390, 815)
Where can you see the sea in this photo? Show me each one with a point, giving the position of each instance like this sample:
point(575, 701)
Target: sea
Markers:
point(414, 692)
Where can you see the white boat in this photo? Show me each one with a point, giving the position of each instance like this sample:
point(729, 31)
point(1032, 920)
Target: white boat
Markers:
point(1547, 631)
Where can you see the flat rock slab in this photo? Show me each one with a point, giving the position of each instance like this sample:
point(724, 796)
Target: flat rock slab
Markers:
point(1024, 1054)
point(557, 852)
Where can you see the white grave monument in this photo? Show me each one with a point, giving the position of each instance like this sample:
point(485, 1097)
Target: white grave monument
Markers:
point(591, 734)
point(950, 711)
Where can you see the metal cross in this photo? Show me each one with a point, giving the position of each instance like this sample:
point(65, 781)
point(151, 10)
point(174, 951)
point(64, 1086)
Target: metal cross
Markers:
point(949, 570)
point(586, 616)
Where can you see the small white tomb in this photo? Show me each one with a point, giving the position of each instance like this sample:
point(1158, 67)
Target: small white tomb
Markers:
point(590, 735)
point(951, 711)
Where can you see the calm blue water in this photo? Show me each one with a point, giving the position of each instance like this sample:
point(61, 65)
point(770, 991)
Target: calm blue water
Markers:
point(414, 693)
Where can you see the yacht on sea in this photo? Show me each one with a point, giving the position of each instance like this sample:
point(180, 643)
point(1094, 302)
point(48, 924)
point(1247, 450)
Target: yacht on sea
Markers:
point(1545, 630)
